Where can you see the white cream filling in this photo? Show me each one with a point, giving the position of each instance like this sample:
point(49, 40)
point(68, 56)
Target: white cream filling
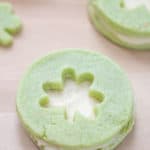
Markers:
point(133, 40)
point(131, 4)
point(75, 98)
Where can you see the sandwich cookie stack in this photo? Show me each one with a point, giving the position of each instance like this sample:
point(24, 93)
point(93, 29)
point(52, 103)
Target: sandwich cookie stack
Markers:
point(124, 22)
point(50, 126)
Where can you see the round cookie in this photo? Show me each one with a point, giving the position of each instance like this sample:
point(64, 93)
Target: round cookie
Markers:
point(50, 128)
point(128, 27)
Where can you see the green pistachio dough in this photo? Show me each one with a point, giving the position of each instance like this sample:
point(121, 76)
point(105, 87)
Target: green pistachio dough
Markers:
point(9, 24)
point(109, 85)
point(126, 27)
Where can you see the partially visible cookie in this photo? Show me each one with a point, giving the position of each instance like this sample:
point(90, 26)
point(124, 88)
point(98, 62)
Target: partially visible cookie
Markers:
point(49, 126)
point(122, 24)
point(9, 24)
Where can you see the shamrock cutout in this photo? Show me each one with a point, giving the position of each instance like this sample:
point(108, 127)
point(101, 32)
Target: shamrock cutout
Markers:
point(9, 24)
point(136, 3)
point(75, 98)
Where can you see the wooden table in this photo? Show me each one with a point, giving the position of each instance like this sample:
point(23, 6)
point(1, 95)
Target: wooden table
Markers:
point(55, 24)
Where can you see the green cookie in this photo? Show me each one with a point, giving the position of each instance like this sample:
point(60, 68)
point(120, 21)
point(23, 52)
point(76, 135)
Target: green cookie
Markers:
point(49, 126)
point(128, 27)
point(9, 24)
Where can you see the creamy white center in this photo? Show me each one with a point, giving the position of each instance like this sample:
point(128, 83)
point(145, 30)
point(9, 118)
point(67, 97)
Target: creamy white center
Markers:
point(133, 40)
point(135, 3)
point(75, 98)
